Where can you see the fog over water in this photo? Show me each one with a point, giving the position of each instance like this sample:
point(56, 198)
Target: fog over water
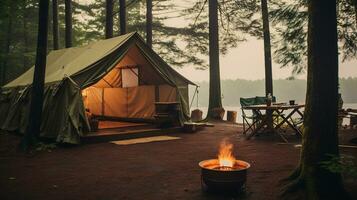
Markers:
point(247, 62)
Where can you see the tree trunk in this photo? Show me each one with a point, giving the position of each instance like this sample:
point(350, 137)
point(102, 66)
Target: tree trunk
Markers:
point(267, 59)
point(68, 22)
point(109, 19)
point(149, 22)
point(215, 102)
point(25, 35)
point(7, 45)
point(55, 24)
point(355, 2)
point(33, 128)
point(122, 16)
point(320, 137)
point(267, 49)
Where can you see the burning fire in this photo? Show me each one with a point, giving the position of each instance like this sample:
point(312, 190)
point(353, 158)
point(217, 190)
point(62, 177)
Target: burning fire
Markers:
point(225, 155)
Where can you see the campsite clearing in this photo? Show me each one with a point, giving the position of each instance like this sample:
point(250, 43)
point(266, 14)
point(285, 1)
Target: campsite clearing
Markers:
point(155, 170)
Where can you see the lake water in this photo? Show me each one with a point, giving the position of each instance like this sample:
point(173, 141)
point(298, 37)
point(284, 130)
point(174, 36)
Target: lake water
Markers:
point(239, 115)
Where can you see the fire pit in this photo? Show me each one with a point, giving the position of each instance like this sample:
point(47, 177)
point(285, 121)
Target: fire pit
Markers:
point(225, 173)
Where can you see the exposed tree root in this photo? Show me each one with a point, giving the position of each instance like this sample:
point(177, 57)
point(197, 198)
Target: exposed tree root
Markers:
point(292, 176)
point(298, 186)
point(293, 187)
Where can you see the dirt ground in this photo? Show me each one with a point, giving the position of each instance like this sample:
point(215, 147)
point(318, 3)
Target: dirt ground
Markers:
point(158, 170)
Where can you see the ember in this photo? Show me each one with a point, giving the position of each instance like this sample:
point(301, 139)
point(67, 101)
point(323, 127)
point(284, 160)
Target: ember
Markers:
point(224, 168)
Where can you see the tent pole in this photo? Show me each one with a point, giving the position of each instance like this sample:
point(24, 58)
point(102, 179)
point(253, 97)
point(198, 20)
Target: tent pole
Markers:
point(193, 98)
point(127, 102)
point(102, 101)
point(157, 93)
point(197, 96)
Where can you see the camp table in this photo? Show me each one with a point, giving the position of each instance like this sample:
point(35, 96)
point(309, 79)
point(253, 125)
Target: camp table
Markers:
point(283, 111)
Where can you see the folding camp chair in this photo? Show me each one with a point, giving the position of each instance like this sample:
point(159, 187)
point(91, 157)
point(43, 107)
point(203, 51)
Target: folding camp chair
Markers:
point(249, 121)
point(263, 100)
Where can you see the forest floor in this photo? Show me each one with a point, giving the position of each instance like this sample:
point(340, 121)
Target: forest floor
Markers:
point(157, 170)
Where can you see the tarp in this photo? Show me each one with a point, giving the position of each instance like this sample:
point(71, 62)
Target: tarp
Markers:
point(70, 71)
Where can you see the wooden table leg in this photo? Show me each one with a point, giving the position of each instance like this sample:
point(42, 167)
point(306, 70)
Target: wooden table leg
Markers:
point(286, 120)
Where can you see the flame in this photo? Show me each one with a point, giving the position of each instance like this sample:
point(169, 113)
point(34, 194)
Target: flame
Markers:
point(225, 155)
point(84, 93)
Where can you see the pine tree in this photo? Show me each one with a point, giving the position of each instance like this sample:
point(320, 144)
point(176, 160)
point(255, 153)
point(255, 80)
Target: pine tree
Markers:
point(320, 139)
point(68, 21)
point(122, 17)
point(237, 20)
point(215, 102)
point(37, 90)
point(25, 34)
point(355, 4)
point(55, 30)
point(149, 22)
point(166, 44)
point(8, 39)
point(109, 19)
point(290, 20)
point(267, 49)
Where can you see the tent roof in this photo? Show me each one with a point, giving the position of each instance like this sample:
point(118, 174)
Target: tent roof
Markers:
point(67, 62)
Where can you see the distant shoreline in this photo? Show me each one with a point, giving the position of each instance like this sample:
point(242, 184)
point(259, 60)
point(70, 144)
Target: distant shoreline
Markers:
point(284, 90)
point(238, 110)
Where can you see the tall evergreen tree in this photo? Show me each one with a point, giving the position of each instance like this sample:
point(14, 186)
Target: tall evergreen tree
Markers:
point(149, 22)
point(68, 22)
point(25, 34)
point(109, 19)
point(22, 41)
point(290, 20)
point(215, 101)
point(320, 139)
point(8, 41)
point(55, 30)
point(267, 49)
point(37, 90)
point(267, 57)
point(122, 16)
point(355, 4)
point(237, 19)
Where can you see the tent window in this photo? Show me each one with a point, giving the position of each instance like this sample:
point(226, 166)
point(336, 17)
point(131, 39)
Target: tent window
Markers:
point(130, 77)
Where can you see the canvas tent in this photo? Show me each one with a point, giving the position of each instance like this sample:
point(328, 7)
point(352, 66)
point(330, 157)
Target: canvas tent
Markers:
point(118, 77)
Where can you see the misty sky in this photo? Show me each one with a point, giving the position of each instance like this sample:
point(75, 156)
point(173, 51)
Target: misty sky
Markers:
point(247, 62)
